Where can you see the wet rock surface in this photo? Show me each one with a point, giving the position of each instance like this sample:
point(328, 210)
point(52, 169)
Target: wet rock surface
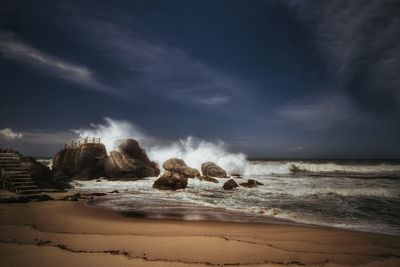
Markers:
point(212, 169)
point(230, 184)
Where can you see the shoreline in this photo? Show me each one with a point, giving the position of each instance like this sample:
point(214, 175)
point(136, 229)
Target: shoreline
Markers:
point(263, 219)
point(69, 233)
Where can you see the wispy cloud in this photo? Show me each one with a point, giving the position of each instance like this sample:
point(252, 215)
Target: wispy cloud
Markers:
point(158, 69)
point(15, 48)
point(318, 112)
point(361, 40)
point(9, 134)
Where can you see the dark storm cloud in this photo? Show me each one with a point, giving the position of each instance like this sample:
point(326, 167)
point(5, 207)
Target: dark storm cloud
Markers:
point(361, 40)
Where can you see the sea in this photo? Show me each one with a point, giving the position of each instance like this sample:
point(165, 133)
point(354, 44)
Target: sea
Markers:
point(362, 195)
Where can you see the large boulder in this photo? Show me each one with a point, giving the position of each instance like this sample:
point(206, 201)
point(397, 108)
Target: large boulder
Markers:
point(121, 165)
point(230, 184)
point(213, 170)
point(83, 162)
point(130, 161)
point(171, 181)
point(175, 165)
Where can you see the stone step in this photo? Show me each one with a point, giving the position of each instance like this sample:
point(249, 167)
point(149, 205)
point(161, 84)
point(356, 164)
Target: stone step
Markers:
point(26, 179)
point(8, 155)
point(17, 174)
point(9, 159)
point(28, 191)
point(5, 161)
point(14, 170)
point(16, 178)
point(25, 183)
point(17, 163)
point(25, 187)
point(11, 165)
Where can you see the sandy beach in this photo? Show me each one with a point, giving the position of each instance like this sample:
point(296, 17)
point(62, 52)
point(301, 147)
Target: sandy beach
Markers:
point(67, 233)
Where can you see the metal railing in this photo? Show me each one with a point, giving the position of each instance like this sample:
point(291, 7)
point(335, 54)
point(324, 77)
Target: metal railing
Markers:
point(79, 142)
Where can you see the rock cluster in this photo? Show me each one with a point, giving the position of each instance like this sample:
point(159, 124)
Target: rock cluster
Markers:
point(175, 165)
point(176, 175)
point(90, 161)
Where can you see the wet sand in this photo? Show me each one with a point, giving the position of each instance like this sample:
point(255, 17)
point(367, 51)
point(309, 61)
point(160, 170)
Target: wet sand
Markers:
point(66, 233)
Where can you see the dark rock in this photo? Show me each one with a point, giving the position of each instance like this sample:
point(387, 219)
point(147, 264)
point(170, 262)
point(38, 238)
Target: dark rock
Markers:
point(14, 199)
point(95, 194)
point(230, 184)
point(208, 179)
point(175, 165)
point(295, 170)
point(130, 162)
point(90, 161)
point(251, 183)
point(41, 197)
point(75, 197)
point(171, 181)
point(83, 162)
point(212, 169)
point(114, 192)
point(40, 173)
point(236, 175)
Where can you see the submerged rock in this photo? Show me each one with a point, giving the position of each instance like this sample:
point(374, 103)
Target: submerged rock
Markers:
point(212, 169)
point(176, 165)
point(251, 183)
point(208, 179)
point(230, 184)
point(171, 181)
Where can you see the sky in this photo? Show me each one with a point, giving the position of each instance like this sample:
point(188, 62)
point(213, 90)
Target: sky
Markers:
point(278, 79)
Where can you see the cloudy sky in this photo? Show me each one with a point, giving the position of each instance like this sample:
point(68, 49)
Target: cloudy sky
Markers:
point(307, 79)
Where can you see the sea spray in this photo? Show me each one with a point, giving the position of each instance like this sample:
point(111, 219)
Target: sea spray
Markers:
point(192, 150)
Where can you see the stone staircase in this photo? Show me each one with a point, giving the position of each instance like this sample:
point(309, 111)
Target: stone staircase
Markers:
point(14, 176)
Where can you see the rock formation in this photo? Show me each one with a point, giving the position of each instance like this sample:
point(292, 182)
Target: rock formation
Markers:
point(230, 184)
point(130, 161)
point(251, 183)
point(171, 181)
point(90, 161)
point(175, 165)
point(175, 175)
point(41, 174)
point(208, 179)
point(83, 162)
point(212, 169)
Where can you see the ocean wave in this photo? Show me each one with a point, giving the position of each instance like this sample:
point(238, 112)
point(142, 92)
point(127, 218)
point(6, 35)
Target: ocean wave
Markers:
point(315, 168)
